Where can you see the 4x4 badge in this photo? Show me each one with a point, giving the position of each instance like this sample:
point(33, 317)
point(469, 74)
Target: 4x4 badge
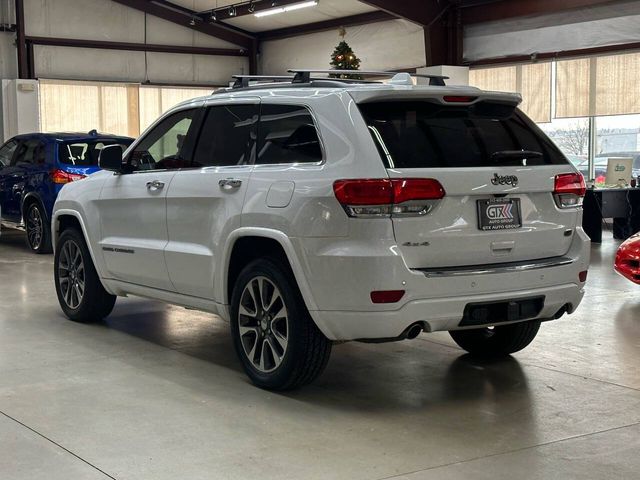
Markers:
point(504, 180)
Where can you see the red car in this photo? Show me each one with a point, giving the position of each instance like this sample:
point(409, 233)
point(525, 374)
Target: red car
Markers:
point(628, 259)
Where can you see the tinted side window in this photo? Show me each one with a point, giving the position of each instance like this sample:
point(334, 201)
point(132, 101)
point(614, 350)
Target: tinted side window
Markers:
point(30, 152)
point(227, 136)
point(7, 151)
point(164, 147)
point(287, 134)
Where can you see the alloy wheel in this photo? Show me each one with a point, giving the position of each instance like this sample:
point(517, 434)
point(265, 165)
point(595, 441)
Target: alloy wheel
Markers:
point(71, 274)
point(263, 322)
point(35, 227)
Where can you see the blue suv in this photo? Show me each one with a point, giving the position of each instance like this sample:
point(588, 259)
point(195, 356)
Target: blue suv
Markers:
point(33, 169)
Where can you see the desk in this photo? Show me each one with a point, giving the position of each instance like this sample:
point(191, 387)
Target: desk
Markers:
point(621, 204)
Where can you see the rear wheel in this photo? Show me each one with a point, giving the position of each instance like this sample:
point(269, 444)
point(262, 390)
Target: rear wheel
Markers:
point(278, 343)
point(80, 292)
point(38, 232)
point(497, 341)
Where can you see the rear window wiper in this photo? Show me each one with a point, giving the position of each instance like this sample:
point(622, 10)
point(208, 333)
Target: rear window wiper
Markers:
point(517, 154)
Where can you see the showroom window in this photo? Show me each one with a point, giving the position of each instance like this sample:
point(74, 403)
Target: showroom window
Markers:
point(116, 108)
point(227, 136)
point(532, 81)
point(287, 134)
point(593, 105)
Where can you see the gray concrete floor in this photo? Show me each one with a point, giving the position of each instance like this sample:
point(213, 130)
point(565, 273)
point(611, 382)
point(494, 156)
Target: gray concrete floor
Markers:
point(155, 392)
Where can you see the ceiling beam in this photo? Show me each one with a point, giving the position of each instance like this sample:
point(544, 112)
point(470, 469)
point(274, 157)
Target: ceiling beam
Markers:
point(137, 47)
point(510, 9)
point(181, 16)
point(351, 21)
point(223, 13)
point(422, 12)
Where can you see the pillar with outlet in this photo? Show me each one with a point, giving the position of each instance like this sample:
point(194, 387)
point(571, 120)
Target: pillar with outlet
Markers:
point(20, 109)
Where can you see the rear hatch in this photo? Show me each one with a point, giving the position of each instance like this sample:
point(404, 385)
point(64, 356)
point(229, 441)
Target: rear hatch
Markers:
point(498, 171)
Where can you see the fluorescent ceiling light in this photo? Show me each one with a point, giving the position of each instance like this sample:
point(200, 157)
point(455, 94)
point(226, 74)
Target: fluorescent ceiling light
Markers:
point(288, 8)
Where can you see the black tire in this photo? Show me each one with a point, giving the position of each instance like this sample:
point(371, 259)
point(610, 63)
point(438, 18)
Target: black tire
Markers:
point(95, 302)
point(307, 349)
point(37, 227)
point(497, 342)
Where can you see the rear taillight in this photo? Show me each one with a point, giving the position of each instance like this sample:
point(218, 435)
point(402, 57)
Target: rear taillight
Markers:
point(62, 177)
point(385, 197)
point(569, 190)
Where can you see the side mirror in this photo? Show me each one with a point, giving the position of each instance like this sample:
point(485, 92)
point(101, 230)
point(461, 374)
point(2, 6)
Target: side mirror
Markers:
point(110, 158)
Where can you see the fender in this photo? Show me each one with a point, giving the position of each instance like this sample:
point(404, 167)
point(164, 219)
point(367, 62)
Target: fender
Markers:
point(77, 216)
point(38, 199)
point(222, 289)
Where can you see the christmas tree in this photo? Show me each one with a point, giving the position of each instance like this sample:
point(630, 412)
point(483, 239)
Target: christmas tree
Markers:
point(343, 58)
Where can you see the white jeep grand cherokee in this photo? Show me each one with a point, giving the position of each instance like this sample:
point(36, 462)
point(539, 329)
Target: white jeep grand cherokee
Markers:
point(314, 210)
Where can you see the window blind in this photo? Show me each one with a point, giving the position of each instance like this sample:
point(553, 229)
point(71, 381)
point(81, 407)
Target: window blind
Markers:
point(532, 81)
point(597, 86)
point(116, 108)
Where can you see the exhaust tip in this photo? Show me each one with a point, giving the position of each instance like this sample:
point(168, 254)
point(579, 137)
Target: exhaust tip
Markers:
point(413, 331)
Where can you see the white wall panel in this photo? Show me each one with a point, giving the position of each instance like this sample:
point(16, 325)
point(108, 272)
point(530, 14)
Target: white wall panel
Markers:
point(384, 45)
point(112, 65)
point(8, 56)
point(198, 69)
point(163, 32)
point(88, 64)
point(589, 27)
point(105, 20)
point(86, 19)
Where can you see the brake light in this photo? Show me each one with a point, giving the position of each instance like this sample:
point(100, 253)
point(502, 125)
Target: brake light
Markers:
point(385, 197)
point(569, 190)
point(62, 177)
point(458, 99)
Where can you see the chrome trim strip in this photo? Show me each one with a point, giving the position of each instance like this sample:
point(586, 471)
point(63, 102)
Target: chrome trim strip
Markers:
point(496, 268)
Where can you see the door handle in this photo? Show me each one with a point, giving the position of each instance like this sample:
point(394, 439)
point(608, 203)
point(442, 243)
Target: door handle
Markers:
point(155, 185)
point(230, 183)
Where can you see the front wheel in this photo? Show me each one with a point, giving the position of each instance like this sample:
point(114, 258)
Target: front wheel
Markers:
point(497, 341)
point(278, 343)
point(80, 292)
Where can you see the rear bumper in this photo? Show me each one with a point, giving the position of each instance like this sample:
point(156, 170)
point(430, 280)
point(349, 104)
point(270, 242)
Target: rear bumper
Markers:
point(436, 299)
point(435, 314)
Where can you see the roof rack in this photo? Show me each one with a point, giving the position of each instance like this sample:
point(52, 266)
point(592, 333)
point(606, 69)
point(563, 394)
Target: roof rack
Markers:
point(243, 81)
point(302, 77)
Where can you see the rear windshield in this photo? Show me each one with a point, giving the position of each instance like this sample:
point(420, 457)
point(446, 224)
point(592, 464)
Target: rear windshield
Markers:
point(85, 153)
point(426, 135)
